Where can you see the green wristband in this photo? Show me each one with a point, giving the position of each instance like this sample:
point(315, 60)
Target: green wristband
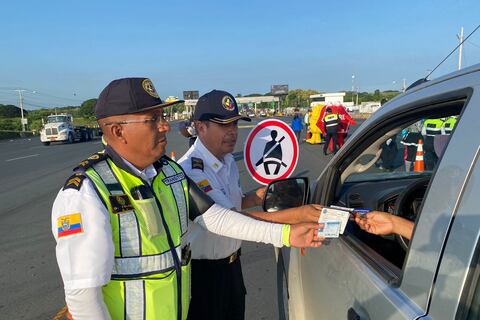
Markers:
point(286, 235)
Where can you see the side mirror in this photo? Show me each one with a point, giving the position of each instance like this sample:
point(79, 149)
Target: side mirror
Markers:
point(285, 194)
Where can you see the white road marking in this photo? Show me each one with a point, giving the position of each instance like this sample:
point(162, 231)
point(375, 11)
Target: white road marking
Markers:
point(32, 155)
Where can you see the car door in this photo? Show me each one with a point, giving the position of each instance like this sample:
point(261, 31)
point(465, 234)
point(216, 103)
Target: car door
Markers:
point(352, 277)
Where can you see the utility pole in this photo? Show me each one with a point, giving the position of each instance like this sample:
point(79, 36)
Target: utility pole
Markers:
point(21, 107)
point(357, 98)
point(460, 49)
point(404, 84)
point(353, 87)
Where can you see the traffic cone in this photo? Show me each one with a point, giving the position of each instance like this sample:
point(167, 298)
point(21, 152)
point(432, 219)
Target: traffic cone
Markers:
point(173, 156)
point(419, 165)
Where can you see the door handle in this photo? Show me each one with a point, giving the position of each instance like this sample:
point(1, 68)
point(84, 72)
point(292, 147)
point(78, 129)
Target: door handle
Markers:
point(352, 314)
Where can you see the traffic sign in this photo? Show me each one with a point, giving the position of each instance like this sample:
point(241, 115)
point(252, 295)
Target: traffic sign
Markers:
point(271, 151)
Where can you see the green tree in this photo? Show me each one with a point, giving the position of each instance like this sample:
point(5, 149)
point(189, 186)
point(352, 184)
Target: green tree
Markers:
point(87, 108)
point(10, 111)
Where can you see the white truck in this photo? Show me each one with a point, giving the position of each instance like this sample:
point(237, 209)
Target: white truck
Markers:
point(60, 128)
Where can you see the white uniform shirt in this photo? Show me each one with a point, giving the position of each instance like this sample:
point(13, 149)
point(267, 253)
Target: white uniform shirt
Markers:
point(85, 259)
point(221, 181)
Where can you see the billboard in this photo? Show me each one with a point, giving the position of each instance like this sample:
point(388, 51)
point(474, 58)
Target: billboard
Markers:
point(279, 89)
point(190, 95)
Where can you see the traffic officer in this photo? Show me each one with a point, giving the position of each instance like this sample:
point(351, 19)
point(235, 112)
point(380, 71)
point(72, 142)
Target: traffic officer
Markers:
point(218, 291)
point(431, 128)
point(449, 124)
point(121, 219)
point(331, 122)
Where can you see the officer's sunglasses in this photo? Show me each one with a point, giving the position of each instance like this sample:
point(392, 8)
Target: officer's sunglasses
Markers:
point(157, 120)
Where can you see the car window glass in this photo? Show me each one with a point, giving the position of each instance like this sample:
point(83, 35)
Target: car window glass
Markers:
point(391, 175)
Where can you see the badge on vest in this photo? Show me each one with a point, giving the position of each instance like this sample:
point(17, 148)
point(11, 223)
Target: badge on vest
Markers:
point(120, 203)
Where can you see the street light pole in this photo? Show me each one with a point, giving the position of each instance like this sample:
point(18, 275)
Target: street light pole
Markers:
point(21, 107)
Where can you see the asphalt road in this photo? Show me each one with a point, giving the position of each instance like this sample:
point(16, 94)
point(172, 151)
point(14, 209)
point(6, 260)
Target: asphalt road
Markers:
point(31, 175)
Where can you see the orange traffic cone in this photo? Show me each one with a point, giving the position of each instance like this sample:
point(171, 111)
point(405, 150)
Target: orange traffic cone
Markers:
point(419, 165)
point(173, 156)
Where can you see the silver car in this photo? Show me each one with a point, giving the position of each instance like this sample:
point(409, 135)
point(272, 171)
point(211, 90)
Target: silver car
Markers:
point(365, 276)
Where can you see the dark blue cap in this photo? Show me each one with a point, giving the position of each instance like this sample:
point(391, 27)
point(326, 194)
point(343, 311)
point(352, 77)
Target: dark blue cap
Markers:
point(127, 96)
point(219, 107)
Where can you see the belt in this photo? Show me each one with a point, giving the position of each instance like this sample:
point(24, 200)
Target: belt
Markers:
point(230, 259)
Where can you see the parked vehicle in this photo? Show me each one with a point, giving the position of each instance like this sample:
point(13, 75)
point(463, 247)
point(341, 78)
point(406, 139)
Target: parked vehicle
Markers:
point(60, 128)
point(364, 276)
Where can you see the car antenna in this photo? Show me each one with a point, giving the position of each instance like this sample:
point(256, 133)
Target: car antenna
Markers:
point(452, 52)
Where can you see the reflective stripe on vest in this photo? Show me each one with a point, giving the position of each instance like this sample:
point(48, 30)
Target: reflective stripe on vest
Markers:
point(331, 120)
point(132, 267)
point(129, 231)
point(134, 293)
point(433, 127)
point(177, 189)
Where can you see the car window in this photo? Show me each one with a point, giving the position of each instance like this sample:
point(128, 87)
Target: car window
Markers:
point(391, 173)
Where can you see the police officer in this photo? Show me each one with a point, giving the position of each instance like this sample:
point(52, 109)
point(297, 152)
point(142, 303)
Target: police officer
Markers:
point(431, 129)
point(331, 122)
point(218, 290)
point(121, 219)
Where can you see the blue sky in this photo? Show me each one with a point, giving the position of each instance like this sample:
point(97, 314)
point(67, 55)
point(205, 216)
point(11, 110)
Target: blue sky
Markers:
point(69, 51)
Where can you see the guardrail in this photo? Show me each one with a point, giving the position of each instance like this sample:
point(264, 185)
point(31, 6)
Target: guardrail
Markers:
point(9, 134)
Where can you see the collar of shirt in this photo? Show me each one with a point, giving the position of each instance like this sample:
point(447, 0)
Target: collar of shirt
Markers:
point(210, 160)
point(146, 174)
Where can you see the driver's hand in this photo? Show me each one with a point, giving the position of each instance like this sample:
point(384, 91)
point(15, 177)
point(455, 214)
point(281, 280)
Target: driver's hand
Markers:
point(376, 222)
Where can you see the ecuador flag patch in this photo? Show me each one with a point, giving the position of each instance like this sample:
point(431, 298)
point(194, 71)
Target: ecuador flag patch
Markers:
point(69, 224)
point(205, 186)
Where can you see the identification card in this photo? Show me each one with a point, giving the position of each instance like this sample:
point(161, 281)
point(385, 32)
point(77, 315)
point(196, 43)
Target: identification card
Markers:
point(329, 214)
point(329, 229)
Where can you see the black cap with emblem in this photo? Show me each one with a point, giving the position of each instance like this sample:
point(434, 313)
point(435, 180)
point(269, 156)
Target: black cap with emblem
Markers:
point(217, 106)
point(127, 96)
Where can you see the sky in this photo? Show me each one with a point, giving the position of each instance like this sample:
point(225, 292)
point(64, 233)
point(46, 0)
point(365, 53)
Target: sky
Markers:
point(64, 52)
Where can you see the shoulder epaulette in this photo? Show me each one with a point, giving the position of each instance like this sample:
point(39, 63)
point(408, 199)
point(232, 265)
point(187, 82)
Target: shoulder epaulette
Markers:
point(74, 181)
point(90, 161)
point(197, 163)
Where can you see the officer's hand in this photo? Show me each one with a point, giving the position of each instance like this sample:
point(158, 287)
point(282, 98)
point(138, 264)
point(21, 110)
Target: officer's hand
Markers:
point(307, 213)
point(260, 193)
point(304, 235)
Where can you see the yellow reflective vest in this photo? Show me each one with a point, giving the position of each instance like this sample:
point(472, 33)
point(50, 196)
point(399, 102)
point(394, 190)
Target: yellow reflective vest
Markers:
point(151, 273)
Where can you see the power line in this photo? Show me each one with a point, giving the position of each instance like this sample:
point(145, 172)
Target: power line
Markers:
point(452, 51)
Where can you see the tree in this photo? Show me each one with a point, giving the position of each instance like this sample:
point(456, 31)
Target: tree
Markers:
point(87, 108)
point(10, 111)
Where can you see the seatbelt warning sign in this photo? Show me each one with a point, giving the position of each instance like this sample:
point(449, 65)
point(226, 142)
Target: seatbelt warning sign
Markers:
point(271, 151)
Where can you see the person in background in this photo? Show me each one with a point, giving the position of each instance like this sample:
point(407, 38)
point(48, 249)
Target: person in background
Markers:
point(431, 128)
point(389, 153)
point(297, 126)
point(187, 129)
point(410, 142)
point(331, 122)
